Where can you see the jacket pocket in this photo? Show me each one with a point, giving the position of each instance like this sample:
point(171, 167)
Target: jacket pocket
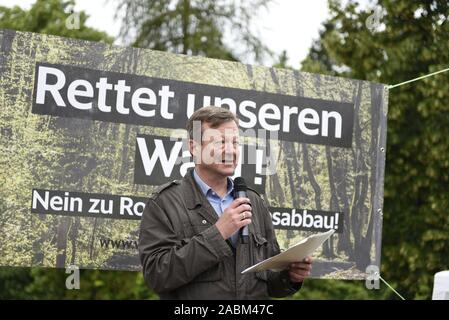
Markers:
point(259, 248)
point(214, 273)
point(191, 230)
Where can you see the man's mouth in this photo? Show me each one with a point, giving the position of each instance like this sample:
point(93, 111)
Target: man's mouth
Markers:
point(227, 161)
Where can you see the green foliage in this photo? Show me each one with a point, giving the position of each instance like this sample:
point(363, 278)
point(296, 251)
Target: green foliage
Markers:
point(13, 282)
point(44, 283)
point(49, 17)
point(413, 42)
point(194, 27)
point(321, 289)
point(282, 61)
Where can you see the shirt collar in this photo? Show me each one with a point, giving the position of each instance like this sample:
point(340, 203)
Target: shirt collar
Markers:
point(206, 189)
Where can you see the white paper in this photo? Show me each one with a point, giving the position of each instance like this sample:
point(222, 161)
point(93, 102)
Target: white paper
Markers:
point(295, 253)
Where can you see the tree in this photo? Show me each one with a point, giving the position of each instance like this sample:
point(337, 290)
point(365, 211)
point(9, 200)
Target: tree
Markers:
point(282, 61)
point(194, 27)
point(411, 40)
point(49, 17)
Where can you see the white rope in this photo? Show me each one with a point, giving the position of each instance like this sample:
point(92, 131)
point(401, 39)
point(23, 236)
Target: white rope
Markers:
point(416, 79)
point(388, 285)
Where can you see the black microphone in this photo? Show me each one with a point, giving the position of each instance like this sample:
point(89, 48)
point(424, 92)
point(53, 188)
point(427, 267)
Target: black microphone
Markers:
point(240, 192)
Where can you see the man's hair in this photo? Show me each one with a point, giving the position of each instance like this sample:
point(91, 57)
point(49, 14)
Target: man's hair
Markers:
point(214, 116)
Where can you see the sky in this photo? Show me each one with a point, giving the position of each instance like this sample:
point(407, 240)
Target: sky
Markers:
point(289, 25)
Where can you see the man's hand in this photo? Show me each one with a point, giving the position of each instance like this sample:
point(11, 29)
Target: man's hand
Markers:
point(236, 216)
point(300, 270)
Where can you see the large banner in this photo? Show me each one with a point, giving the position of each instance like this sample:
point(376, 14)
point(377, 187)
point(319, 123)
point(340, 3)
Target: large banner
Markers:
point(89, 130)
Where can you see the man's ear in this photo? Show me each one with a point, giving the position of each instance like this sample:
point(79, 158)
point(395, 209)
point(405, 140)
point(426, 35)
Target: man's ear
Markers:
point(193, 148)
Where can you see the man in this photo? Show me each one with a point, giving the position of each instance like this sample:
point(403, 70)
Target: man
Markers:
point(190, 242)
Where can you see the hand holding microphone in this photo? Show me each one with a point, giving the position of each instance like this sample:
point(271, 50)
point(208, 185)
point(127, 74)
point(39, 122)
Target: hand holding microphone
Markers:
point(238, 214)
point(240, 192)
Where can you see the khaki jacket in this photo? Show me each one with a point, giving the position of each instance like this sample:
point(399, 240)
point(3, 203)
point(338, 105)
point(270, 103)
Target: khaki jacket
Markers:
point(184, 256)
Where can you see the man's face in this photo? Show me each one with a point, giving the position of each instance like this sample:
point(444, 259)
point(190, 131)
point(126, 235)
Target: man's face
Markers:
point(219, 150)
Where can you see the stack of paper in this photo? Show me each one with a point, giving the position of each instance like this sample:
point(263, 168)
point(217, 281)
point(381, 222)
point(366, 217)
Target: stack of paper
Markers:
point(296, 253)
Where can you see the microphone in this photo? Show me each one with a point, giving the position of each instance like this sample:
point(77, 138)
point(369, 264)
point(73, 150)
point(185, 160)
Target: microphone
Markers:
point(240, 192)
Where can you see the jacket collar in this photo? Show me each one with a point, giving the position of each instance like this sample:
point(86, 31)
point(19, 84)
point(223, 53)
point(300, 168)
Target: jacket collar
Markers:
point(195, 200)
point(192, 193)
point(205, 189)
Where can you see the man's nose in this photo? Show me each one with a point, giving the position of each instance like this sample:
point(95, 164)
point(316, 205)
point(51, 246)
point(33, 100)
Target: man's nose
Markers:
point(230, 148)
